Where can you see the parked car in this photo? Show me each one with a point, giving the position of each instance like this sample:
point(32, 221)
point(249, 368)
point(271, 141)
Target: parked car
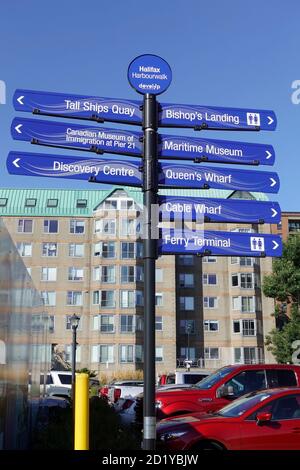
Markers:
point(261, 420)
point(122, 389)
point(221, 387)
point(56, 383)
point(183, 378)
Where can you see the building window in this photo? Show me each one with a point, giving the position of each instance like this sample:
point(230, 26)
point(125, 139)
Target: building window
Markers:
point(159, 275)
point(107, 324)
point(106, 226)
point(210, 302)
point(49, 249)
point(159, 354)
point(209, 259)
point(238, 356)
point(127, 298)
point(68, 323)
point(249, 327)
point(49, 298)
point(24, 249)
point(52, 202)
point(139, 298)
point(245, 304)
point(30, 202)
point(294, 226)
point(127, 205)
point(187, 327)
point(188, 353)
point(126, 353)
point(186, 260)
point(127, 274)
point(42, 322)
point(246, 261)
point(128, 250)
point(77, 226)
point(81, 203)
point(48, 274)
point(75, 274)
point(158, 323)
point(211, 325)
point(104, 298)
point(210, 279)
point(68, 353)
point(127, 323)
point(50, 226)
point(76, 250)
point(159, 300)
point(211, 353)
point(105, 250)
point(186, 280)
point(236, 326)
point(3, 201)
point(139, 270)
point(74, 298)
point(25, 225)
point(108, 274)
point(247, 281)
point(110, 204)
point(103, 353)
point(186, 303)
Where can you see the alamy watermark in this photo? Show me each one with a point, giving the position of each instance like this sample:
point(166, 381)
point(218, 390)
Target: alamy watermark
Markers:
point(2, 92)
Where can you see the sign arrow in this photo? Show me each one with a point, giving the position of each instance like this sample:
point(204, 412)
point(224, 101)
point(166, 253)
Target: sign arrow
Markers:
point(269, 155)
point(218, 210)
point(15, 162)
point(78, 136)
point(19, 100)
point(270, 120)
point(218, 243)
point(273, 182)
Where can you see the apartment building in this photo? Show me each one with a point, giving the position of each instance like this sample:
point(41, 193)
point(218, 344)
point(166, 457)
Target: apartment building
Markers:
point(289, 225)
point(84, 252)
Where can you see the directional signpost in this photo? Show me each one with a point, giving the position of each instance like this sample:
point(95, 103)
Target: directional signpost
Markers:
point(150, 76)
point(215, 118)
point(78, 107)
point(219, 210)
point(78, 168)
point(220, 243)
point(217, 151)
point(60, 134)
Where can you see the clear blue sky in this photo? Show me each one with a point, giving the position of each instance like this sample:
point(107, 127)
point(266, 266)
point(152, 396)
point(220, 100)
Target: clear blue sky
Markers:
point(226, 53)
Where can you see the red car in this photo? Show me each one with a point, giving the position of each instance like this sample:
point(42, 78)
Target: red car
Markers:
point(262, 420)
point(226, 384)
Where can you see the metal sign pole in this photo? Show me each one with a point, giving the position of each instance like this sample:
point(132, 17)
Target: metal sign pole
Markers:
point(150, 254)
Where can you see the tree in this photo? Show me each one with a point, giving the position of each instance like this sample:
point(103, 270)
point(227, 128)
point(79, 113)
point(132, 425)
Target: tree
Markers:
point(283, 285)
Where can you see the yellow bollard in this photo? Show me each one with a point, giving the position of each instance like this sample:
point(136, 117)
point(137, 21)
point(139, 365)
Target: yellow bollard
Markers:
point(81, 427)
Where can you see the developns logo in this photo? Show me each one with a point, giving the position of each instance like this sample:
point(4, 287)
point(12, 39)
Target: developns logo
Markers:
point(2, 92)
point(296, 94)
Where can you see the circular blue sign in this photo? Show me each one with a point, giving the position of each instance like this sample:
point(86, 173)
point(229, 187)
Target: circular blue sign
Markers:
point(149, 73)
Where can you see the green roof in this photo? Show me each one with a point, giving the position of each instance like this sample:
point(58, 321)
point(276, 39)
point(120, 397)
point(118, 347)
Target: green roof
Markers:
point(67, 199)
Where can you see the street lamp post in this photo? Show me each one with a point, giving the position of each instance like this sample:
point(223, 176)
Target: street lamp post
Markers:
point(74, 320)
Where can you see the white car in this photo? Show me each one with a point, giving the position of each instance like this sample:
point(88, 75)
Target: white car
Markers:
point(56, 383)
point(124, 389)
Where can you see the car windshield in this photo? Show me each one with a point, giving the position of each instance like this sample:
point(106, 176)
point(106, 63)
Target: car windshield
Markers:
point(212, 379)
point(243, 404)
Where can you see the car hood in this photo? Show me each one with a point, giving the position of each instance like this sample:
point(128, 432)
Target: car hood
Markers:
point(186, 390)
point(191, 419)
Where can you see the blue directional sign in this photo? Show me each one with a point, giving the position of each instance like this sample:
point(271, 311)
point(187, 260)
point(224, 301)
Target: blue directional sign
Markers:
point(219, 151)
point(77, 136)
point(219, 243)
point(58, 166)
point(149, 73)
point(219, 210)
point(78, 106)
point(214, 117)
point(191, 176)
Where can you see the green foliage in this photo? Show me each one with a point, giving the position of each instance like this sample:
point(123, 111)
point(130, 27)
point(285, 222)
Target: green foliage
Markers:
point(283, 285)
point(85, 370)
point(55, 431)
